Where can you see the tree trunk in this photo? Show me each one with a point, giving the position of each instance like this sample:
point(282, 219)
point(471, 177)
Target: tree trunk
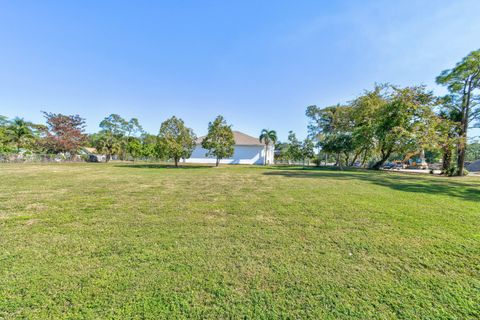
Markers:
point(461, 146)
point(461, 158)
point(107, 158)
point(217, 162)
point(176, 162)
point(355, 158)
point(446, 159)
point(347, 157)
point(266, 150)
point(364, 160)
point(467, 91)
point(384, 158)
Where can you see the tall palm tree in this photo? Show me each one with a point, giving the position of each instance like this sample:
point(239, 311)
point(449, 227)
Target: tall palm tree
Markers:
point(19, 131)
point(267, 137)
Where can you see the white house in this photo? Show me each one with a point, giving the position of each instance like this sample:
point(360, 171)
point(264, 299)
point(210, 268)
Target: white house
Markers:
point(248, 150)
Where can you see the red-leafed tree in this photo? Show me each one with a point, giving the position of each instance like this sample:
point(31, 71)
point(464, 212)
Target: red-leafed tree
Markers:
point(65, 132)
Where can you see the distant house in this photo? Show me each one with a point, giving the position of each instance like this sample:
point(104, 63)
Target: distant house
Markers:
point(93, 155)
point(473, 166)
point(248, 150)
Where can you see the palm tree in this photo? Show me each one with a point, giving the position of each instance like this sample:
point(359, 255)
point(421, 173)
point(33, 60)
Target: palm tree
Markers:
point(18, 131)
point(267, 137)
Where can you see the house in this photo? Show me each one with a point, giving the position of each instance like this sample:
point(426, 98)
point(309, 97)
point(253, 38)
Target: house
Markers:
point(92, 155)
point(473, 166)
point(248, 150)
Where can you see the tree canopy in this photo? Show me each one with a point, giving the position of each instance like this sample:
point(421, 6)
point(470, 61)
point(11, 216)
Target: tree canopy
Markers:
point(65, 132)
point(463, 84)
point(219, 140)
point(176, 141)
point(267, 137)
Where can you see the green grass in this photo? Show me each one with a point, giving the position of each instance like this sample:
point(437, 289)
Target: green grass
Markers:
point(146, 241)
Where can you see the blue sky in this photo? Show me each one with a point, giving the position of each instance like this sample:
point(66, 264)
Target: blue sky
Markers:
point(259, 63)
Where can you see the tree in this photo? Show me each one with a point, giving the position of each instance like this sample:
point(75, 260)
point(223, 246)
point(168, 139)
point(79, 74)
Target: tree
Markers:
point(132, 130)
point(308, 151)
point(463, 83)
point(448, 127)
point(121, 131)
point(267, 137)
point(332, 128)
point(135, 147)
point(281, 151)
point(105, 142)
point(219, 140)
point(176, 140)
point(337, 143)
point(405, 123)
point(364, 115)
point(114, 124)
point(19, 132)
point(294, 149)
point(473, 151)
point(150, 146)
point(113, 133)
point(65, 132)
point(3, 135)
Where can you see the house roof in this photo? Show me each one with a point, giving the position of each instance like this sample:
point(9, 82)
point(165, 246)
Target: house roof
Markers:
point(241, 139)
point(90, 150)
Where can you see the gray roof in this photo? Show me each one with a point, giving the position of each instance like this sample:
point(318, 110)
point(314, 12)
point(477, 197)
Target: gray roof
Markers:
point(474, 166)
point(241, 139)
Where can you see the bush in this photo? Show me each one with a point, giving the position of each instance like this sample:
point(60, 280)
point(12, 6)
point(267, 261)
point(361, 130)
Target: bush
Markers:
point(453, 171)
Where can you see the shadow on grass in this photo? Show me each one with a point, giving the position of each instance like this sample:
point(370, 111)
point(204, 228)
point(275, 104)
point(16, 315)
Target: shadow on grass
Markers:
point(467, 190)
point(161, 166)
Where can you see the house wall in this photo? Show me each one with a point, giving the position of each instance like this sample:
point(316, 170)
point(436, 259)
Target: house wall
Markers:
point(241, 155)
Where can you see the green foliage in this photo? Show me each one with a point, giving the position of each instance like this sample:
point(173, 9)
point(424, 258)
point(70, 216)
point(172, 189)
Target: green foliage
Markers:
point(473, 151)
point(176, 141)
point(380, 123)
point(4, 147)
point(463, 83)
point(308, 149)
point(294, 148)
point(267, 137)
point(19, 132)
point(150, 146)
point(406, 122)
point(281, 151)
point(135, 147)
point(453, 171)
point(22, 134)
point(106, 142)
point(118, 132)
point(219, 140)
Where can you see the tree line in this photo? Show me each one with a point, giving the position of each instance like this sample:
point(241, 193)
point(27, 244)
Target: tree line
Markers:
point(391, 122)
point(385, 123)
point(119, 137)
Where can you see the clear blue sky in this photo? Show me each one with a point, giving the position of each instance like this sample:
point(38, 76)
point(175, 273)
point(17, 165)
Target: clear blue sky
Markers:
point(259, 63)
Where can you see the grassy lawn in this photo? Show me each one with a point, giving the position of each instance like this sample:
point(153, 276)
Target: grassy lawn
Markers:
point(145, 241)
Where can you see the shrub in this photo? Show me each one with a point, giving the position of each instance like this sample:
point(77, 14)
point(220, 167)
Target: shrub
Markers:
point(453, 171)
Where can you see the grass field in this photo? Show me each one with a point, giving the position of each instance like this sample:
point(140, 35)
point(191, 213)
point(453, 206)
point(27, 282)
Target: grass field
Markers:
point(148, 242)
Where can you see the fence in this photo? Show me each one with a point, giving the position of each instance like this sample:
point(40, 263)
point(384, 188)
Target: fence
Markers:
point(38, 158)
point(294, 163)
